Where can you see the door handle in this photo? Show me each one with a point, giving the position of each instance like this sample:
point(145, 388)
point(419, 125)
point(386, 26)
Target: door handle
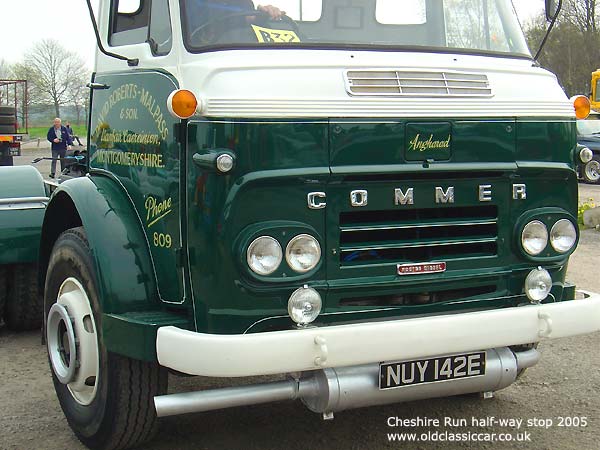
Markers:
point(210, 160)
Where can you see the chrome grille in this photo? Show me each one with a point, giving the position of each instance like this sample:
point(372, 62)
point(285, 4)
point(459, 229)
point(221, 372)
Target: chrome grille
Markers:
point(405, 83)
point(417, 235)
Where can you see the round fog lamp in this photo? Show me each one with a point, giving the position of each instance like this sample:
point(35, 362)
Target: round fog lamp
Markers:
point(586, 155)
point(534, 238)
point(304, 305)
point(563, 236)
point(538, 284)
point(303, 253)
point(264, 255)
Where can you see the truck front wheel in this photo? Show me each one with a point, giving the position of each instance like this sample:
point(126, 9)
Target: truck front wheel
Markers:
point(108, 399)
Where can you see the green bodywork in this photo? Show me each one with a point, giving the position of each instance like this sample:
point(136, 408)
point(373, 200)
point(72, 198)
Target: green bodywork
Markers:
point(20, 226)
point(278, 164)
point(198, 278)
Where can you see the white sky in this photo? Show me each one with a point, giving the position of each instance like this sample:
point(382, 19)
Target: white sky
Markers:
point(67, 21)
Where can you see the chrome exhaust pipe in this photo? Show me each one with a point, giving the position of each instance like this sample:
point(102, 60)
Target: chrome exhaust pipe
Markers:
point(200, 401)
point(337, 389)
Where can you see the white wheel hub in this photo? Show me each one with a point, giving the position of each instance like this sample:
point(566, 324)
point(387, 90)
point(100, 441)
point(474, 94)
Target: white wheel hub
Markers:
point(73, 342)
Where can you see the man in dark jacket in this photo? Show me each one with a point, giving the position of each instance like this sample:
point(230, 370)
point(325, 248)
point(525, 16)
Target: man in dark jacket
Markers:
point(72, 134)
point(59, 137)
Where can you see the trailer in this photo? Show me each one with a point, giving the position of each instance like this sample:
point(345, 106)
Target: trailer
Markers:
point(13, 119)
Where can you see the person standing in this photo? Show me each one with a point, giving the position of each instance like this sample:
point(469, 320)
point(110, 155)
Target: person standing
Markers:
point(59, 138)
point(72, 134)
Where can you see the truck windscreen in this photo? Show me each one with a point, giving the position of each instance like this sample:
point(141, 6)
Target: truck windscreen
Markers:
point(477, 26)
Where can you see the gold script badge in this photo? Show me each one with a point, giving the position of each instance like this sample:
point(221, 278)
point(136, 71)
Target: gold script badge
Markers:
point(421, 145)
point(156, 210)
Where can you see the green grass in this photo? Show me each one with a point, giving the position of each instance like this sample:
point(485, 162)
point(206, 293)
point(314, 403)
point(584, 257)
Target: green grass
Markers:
point(589, 204)
point(41, 132)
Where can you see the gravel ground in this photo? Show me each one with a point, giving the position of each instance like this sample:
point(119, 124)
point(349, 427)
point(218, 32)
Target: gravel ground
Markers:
point(564, 384)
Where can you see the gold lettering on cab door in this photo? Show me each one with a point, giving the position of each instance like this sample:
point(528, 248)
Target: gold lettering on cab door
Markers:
point(156, 211)
point(121, 127)
point(131, 95)
point(130, 159)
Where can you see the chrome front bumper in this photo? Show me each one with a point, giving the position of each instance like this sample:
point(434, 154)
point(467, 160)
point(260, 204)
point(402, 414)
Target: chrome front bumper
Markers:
point(351, 345)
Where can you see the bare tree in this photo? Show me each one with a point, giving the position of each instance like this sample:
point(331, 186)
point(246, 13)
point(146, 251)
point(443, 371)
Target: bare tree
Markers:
point(54, 73)
point(4, 69)
point(581, 13)
point(21, 71)
point(79, 98)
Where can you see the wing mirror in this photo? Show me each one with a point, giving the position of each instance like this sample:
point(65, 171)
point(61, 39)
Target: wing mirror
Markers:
point(552, 9)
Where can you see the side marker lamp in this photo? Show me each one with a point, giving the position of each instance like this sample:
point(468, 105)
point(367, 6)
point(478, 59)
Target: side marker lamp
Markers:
point(182, 104)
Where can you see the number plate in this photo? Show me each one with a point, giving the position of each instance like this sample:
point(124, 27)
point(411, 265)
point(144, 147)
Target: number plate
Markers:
point(433, 370)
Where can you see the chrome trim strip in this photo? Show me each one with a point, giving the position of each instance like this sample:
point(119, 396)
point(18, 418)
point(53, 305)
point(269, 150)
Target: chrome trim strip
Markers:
point(377, 309)
point(19, 204)
point(429, 244)
point(431, 225)
point(54, 184)
point(377, 107)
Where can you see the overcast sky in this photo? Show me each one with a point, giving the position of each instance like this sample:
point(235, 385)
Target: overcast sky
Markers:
point(27, 21)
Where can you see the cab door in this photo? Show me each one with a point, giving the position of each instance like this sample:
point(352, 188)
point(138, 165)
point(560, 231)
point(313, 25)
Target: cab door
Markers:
point(132, 140)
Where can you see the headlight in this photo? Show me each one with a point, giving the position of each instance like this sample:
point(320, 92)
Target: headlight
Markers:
point(264, 255)
point(538, 284)
point(304, 305)
point(585, 155)
point(563, 236)
point(534, 238)
point(303, 253)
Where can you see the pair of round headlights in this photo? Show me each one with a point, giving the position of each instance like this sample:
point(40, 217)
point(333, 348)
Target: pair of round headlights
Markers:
point(302, 253)
point(562, 237)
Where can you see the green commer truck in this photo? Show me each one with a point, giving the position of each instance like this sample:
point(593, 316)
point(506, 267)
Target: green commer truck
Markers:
point(372, 204)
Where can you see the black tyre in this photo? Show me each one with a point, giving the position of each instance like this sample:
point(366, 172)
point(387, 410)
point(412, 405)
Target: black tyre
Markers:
point(3, 291)
point(24, 305)
point(590, 172)
point(7, 111)
point(108, 399)
point(7, 120)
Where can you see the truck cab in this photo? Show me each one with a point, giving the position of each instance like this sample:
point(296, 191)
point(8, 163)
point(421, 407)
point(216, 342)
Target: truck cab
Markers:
point(375, 204)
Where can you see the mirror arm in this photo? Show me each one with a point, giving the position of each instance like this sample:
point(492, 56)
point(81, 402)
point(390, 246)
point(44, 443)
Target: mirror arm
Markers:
point(550, 27)
point(130, 61)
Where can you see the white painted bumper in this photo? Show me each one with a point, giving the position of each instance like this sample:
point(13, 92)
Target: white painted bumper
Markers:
point(348, 345)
